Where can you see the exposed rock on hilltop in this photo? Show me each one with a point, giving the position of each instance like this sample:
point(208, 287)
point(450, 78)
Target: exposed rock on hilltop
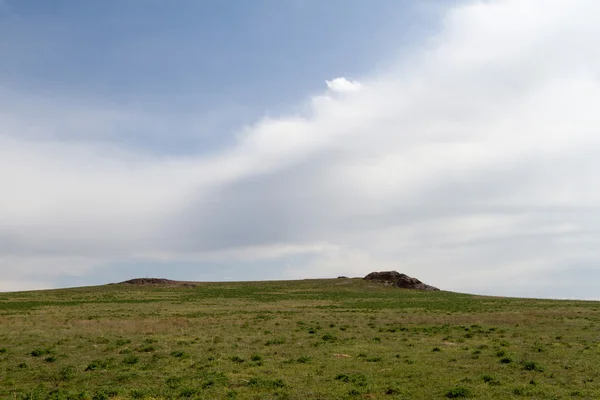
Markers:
point(157, 281)
point(397, 279)
point(149, 281)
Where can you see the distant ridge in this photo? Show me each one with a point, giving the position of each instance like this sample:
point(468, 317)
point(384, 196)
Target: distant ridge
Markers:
point(393, 278)
point(399, 280)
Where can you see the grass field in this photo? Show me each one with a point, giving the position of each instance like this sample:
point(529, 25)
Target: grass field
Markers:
point(312, 339)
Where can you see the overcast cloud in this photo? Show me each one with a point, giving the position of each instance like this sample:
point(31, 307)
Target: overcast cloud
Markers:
point(470, 161)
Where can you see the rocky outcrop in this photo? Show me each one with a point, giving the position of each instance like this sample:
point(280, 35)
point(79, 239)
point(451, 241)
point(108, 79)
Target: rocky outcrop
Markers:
point(397, 279)
point(157, 282)
point(149, 281)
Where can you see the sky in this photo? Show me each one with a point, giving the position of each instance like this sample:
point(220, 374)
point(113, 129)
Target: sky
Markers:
point(454, 141)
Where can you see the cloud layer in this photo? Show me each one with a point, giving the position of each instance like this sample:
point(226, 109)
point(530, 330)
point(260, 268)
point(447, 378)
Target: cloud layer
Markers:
point(469, 163)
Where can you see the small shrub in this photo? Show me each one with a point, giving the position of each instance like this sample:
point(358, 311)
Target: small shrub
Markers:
point(66, 374)
point(97, 364)
point(266, 383)
point(328, 337)
point(156, 357)
point(392, 391)
point(490, 380)
point(188, 392)
point(96, 396)
point(57, 394)
point(50, 359)
point(213, 379)
point(173, 382)
point(130, 360)
point(256, 357)
point(3, 350)
point(303, 359)
point(104, 394)
point(40, 352)
point(146, 349)
point(458, 392)
point(505, 360)
point(84, 395)
point(518, 391)
point(532, 366)
point(357, 379)
point(123, 378)
point(237, 359)
point(122, 342)
point(178, 354)
point(137, 394)
point(271, 342)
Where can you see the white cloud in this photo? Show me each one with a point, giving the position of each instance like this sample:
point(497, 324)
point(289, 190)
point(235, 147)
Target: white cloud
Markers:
point(342, 85)
point(471, 164)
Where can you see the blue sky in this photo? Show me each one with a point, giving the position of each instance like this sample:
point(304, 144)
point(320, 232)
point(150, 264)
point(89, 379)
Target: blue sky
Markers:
point(208, 140)
point(229, 63)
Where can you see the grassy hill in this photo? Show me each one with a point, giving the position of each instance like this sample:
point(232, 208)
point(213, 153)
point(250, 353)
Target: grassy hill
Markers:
point(312, 339)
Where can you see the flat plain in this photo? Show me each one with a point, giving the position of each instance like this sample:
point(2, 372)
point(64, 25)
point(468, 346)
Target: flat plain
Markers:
point(310, 339)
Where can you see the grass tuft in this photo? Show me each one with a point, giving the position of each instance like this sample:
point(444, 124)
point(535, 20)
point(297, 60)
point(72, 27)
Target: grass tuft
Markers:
point(458, 392)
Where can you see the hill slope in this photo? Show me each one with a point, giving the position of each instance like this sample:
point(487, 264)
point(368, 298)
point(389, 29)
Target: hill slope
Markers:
point(320, 339)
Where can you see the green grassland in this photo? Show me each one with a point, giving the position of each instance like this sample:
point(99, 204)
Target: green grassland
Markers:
point(311, 339)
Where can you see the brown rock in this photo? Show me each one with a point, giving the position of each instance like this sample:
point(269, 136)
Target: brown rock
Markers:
point(158, 282)
point(397, 279)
